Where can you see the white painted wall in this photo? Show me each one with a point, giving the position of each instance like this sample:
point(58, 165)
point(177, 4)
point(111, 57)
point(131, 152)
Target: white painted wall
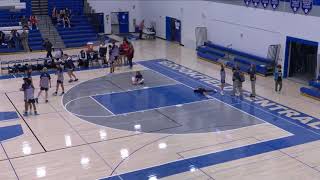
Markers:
point(247, 29)
point(109, 6)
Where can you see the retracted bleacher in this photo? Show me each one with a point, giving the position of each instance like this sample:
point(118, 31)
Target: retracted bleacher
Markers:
point(81, 31)
point(213, 52)
point(314, 90)
point(11, 12)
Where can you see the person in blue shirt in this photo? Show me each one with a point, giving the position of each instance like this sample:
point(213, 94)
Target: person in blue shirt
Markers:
point(253, 78)
point(223, 78)
point(278, 79)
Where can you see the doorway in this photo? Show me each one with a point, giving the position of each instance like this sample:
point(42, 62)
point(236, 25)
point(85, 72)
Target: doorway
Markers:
point(301, 59)
point(119, 22)
point(173, 29)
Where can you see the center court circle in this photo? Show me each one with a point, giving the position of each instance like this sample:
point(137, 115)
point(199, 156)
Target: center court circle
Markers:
point(161, 105)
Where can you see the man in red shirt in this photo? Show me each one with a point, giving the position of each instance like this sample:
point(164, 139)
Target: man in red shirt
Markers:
point(34, 22)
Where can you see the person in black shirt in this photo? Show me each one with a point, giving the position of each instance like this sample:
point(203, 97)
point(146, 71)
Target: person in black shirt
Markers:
point(48, 47)
point(103, 52)
point(203, 91)
point(137, 79)
point(70, 68)
point(253, 78)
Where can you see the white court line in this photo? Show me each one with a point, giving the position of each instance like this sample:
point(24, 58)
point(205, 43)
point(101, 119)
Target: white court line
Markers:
point(191, 157)
point(102, 105)
point(242, 101)
point(141, 111)
point(211, 96)
point(117, 92)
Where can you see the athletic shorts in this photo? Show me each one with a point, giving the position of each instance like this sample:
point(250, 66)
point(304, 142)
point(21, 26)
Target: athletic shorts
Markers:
point(223, 81)
point(31, 101)
point(70, 70)
point(59, 82)
point(44, 89)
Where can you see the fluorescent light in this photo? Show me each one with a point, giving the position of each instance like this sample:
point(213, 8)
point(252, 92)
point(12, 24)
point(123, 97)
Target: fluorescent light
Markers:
point(103, 134)
point(85, 162)
point(26, 148)
point(137, 127)
point(67, 139)
point(124, 153)
point(162, 146)
point(153, 177)
point(193, 169)
point(41, 172)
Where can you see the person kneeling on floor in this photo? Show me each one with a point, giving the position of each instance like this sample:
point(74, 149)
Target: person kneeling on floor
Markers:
point(137, 79)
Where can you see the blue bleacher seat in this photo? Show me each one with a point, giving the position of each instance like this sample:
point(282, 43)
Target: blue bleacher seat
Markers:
point(243, 60)
point(311, 92)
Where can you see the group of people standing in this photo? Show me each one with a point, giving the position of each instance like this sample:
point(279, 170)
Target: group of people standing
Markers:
point(238, 78)
point(16, 39)
point(121, 55)
point(28, 87)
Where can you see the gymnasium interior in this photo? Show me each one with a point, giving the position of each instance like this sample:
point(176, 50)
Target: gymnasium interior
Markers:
point(159, 89)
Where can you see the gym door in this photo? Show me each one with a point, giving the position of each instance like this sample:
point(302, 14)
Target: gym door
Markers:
point(173, 30)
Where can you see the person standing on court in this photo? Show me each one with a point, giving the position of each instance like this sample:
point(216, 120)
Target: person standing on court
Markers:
point(235, 78)
point(241, 80)
point(130, 54)
point(253, 78)
point(141, 27)
point(45, 84)
point(24, 40)
point(60, 79)
point(29, 100)
point(223, 78)
point(48, 47)
point(278, 78)
point(69, 65)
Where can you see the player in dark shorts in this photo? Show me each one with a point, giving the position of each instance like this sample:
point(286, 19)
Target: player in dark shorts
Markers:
point(69, 65)
point(29, 101)
point(45, 84)
point(60, 79)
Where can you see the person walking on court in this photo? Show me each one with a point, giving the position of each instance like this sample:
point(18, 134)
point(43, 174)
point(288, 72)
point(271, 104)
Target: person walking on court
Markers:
point(29, 101)
point(223, 78)
point(48, 47)
point(69, 65)
point(253, 78)
point(60, 79)
point(278, 79)
point(45, 84)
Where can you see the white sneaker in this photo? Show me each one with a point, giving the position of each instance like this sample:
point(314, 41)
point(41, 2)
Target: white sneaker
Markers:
point(221, 92)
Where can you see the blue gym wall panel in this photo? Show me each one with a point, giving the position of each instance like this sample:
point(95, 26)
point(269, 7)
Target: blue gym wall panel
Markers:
point(168, 28)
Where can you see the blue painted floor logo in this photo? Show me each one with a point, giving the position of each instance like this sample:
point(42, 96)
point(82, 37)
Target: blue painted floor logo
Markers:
point(8, 132)
point(304, 128)
point(166, 104)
